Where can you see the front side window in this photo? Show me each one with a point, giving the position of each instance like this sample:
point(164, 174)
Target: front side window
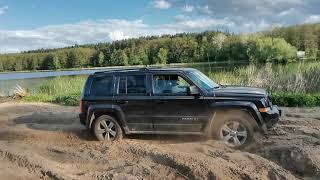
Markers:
point(166, 84)
point(102, 86)
point(202, 80)
point(133, 84)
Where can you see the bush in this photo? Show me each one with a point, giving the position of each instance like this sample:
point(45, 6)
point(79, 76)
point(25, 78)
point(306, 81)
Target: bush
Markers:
point(295, 99)
point(69, 100)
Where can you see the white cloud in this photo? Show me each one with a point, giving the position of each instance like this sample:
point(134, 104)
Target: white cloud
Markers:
point(200, 24)
point(253, 26)
point(63, 35)
point(117, 35)
point(187, 8)
point(205, 9)
point(3, 9)
point(312, 19)
point(287, 12)
point(181, 17)
point(55, 36)
point(161, 4)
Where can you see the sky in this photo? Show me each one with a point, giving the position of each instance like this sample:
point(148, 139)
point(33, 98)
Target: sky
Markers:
point(33, 24)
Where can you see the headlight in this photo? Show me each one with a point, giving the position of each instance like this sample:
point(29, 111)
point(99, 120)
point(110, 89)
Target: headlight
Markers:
point(264, 109)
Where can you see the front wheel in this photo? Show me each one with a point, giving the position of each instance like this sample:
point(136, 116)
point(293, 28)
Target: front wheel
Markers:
point(106, 128)
point(235, 131)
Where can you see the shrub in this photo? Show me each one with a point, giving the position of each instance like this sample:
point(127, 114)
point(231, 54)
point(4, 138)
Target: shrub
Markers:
point(69, 100)
point(295, 99)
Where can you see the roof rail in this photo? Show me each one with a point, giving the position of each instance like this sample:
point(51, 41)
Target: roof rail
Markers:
point(150, 68)
point(115, 69)
point(144, 69)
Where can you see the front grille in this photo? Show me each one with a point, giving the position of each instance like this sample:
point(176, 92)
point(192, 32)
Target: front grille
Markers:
point(269, 101)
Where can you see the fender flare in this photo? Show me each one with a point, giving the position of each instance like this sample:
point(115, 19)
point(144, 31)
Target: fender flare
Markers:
point(248, 106)
point(106, 109)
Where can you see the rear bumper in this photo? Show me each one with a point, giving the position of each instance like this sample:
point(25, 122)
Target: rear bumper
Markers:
point(272, 117)
point(82, 118)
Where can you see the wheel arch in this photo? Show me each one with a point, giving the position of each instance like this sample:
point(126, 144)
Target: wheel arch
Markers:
point(95, 111)
point(223, 108)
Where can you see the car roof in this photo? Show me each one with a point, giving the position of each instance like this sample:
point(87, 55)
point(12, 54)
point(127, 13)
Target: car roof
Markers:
point(144, 69)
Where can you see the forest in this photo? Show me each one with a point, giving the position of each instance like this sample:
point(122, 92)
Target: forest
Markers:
point(279, 45)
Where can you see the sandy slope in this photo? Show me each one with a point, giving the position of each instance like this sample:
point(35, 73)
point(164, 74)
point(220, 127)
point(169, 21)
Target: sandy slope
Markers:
point(47, 141)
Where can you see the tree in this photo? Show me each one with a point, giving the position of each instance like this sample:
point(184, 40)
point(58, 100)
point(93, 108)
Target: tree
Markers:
point(101, 59)
point(162, 56)
point(138, 56)
point(119, 58)
point(1, 67)
point(311, 44)
point(50, 62)
point(279, 44)
point(264, 49)
point(73, 60)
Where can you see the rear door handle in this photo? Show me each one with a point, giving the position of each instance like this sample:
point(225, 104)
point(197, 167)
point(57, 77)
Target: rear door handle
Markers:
point(160, 101)
point(122, 102)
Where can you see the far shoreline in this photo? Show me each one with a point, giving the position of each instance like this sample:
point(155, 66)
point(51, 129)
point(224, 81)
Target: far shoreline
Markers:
point(131, 66)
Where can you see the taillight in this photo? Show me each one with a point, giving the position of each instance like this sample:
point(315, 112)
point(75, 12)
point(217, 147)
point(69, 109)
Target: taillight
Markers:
point(81, 108)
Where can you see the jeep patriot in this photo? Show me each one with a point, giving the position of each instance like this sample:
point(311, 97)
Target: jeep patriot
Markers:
point(173, 101)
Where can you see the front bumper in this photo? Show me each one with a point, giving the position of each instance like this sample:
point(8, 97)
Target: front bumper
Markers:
point(272, 117)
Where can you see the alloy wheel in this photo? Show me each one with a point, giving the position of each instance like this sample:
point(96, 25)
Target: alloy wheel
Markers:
point(108, 130)
point(234, 133)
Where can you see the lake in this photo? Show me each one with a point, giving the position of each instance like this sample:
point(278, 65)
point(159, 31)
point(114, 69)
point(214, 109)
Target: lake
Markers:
point(32, 80)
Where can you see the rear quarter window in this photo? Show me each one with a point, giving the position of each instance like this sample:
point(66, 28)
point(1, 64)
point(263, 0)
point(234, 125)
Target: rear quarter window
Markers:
point(102, 86)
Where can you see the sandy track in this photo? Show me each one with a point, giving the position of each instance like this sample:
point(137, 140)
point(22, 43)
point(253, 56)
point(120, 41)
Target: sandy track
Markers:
point(47, 141)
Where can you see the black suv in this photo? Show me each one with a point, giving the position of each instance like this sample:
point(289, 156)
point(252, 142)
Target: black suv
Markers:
point(173, 101)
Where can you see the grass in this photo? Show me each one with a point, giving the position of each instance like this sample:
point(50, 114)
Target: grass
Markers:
point(295, 99)
point(296, 84)
point(61, 90)
point(291, 78)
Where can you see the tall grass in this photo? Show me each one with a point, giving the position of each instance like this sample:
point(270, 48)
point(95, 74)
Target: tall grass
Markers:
point(293, 78)
point(293, 84)
point(63, 85)
point(64, 90)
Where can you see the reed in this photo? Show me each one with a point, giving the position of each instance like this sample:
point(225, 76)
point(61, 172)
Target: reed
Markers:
point(290, 85)
point(291, 78)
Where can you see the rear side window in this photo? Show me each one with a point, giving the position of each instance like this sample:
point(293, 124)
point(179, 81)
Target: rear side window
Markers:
point(102, 86)
point(133, 85)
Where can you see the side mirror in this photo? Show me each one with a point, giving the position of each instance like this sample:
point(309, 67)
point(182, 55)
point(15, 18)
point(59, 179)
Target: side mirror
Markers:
point(194, 91)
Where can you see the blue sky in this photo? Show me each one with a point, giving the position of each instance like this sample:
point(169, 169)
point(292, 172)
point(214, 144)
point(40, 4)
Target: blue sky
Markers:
point(28, 14)
point(33, 24)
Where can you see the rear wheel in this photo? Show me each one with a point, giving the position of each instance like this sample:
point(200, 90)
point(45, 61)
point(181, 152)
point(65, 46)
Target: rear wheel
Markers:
point(234, 130)
point(106, 128)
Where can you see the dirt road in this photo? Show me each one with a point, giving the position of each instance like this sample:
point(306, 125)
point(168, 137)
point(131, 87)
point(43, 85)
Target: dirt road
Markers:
point(47, 141)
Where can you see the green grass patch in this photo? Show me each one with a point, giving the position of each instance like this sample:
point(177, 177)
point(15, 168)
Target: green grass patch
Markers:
point(68, 100)
point(295, 99)
point(38, 98)
point(59, 90)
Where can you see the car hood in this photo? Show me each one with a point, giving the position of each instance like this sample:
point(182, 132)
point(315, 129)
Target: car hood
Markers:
point(240, 91)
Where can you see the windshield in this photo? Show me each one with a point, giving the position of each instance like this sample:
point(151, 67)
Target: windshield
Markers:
point(202, 80)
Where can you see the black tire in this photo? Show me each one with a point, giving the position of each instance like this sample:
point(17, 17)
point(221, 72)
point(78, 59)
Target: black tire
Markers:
point(235, 129)
point(106, 128)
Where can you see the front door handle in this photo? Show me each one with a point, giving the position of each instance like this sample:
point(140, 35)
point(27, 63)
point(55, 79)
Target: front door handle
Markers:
point(122, 102)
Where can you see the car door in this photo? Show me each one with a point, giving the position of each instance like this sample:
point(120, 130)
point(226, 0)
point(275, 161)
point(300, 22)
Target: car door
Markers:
point(133, 96)
point(174, 109)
